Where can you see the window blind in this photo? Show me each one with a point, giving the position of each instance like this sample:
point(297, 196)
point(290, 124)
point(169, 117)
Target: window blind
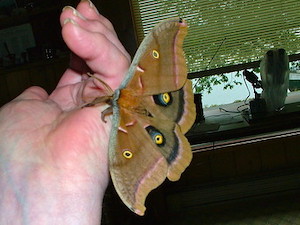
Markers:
point(228, 32)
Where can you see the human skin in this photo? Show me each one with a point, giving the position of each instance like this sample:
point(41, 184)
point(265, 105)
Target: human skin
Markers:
point(53, 152)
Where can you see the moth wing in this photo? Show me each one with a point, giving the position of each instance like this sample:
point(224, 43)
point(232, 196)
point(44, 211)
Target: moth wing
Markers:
point(138, 161)
point(180, 108)
point(159, 64)
point(135, 175)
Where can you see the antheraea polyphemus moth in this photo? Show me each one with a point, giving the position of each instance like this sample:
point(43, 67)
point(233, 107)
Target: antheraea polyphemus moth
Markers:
point(152, 110)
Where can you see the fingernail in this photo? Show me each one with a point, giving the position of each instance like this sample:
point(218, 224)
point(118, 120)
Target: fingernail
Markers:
point(75, 12)
point(91, 4)
point(69, 20)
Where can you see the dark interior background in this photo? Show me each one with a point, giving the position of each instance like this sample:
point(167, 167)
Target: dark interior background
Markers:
point(250, 182)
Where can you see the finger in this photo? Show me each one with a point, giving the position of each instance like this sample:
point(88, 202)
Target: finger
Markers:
point(101, 55)
point(76, 72)
point(95, 23)
point(71, 13)
point(68, 97)
point(68, 78)
point(73, 96)
point(66, 92)
point(89, 22)
point(33, 93)
point(89, 11)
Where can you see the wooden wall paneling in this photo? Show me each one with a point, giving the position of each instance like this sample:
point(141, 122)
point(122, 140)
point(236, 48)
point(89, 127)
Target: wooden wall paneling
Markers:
point(59, 68)
point(223, 164)
point(292, 145)
point(273, 154)
point(248, 159)
point(48, 75)
point(17, 82)
point(51, 78)
point(4, 96)
point(199, 170)
point(38, 76)
point(45, 75)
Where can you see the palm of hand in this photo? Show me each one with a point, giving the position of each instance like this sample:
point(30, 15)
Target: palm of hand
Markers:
point(39, 130)
point(51, 139)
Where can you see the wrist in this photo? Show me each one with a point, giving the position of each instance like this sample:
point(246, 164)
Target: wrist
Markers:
point(49, 198)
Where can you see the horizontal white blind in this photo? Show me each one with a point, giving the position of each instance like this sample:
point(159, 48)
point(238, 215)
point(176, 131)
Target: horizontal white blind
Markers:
point(235, 31)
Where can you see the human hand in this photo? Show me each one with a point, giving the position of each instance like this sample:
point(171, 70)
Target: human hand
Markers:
point(53, 154)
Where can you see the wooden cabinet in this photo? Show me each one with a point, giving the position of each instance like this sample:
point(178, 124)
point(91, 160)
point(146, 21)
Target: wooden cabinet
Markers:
point(247, 183)
point(45, 74)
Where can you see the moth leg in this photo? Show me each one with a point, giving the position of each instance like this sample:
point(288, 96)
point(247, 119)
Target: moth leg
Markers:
point(99, 100)
point(106, 112)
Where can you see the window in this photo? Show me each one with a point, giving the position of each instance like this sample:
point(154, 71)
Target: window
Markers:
point(226, 32)
point(229, 36)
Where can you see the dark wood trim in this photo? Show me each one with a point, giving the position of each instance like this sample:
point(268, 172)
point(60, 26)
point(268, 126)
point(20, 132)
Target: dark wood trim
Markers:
point(238, 141)
point(233, 68)
point(251, 189)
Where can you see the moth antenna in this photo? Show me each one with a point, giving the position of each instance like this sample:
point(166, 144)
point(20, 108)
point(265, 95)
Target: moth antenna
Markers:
point(106, 86)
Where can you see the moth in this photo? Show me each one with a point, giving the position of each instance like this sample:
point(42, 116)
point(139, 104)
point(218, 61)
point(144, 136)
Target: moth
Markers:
point(152, 110)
